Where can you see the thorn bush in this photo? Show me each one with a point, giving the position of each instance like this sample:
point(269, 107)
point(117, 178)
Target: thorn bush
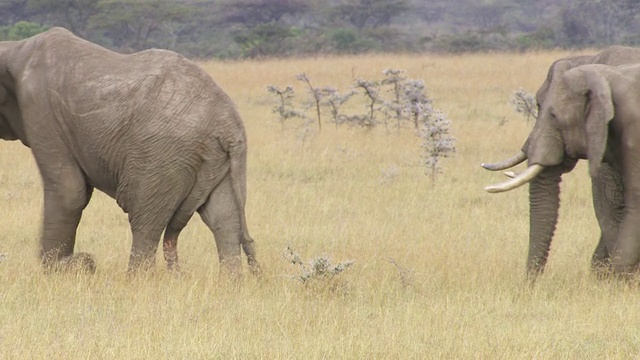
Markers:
point(524, 103)
point(394, 98)
point(317, 268)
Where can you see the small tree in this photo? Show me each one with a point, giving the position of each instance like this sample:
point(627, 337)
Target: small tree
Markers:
point(394, 107)
point(524, 103)
point(317, 96)
point(284, 108)
point(436, 140)
point(335, 100)
point(409, 103)
point(370, 89)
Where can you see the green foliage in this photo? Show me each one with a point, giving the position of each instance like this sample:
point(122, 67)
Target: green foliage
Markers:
point(268, 28)
point(542, 38)
point(471, 42)
point(345, 39)
point(369, 13)
point(20, 30)
point(140, 25)
point(73, 14)
point(265, 40)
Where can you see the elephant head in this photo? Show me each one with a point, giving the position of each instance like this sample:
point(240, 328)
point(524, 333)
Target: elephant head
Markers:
point(544, 189)
point(589, 113)
point(572, 124)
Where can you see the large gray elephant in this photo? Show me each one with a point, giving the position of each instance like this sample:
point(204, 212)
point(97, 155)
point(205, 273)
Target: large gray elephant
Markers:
point(544, 189)
point(592, 112)
point(150, 129)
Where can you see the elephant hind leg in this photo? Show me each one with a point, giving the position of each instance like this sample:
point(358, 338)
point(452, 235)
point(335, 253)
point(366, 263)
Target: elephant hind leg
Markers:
point(209, 174)
point(220, 214)
point(148, 220)
point(170, 248)
point(170, 240)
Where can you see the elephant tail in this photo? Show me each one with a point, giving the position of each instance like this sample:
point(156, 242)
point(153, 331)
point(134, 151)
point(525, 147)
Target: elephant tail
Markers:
point(238, 173)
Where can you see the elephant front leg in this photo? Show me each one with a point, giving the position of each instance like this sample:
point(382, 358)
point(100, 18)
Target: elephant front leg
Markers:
point(626, 248)
point(63, 206)
point(608, 204)
point(626, 251)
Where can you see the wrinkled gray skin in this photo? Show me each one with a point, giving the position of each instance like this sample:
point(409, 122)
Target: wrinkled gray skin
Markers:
point(150, 129)
point(544, 190)
point(592, 112)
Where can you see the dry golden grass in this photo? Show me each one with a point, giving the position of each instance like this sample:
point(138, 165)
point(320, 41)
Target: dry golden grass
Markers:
point(457, 287)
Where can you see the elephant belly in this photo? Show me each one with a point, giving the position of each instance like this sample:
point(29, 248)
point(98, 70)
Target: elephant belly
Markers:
point(99, 177)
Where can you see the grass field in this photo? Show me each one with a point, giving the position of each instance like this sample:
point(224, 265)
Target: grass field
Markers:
point(439, 266)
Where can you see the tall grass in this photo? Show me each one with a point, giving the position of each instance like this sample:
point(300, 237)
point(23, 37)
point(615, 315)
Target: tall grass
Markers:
point(439, 266)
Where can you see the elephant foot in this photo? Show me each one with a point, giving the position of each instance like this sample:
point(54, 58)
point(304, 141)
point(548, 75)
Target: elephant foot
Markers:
point(173, 267)
point(76, 263)
point(254, 267)
point(138, 264)
point(602, 268)
point(170, 251)
point(603, 271)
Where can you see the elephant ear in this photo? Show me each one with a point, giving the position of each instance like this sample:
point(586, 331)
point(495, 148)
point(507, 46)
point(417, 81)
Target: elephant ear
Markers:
point(594, 86)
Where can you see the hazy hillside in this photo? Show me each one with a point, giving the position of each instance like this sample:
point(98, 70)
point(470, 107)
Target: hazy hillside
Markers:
point(259, 28)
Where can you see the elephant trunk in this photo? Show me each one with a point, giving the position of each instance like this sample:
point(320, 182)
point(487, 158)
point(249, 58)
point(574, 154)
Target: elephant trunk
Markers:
point(544, 202)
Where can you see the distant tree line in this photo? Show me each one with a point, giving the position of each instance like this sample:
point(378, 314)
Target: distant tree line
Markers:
point(267, 28)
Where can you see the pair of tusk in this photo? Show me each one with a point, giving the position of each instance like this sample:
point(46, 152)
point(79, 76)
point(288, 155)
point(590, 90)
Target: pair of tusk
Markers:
point(517, 180)
point(506, 164)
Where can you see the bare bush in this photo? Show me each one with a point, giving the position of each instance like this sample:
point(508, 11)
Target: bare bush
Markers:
point(284, 108)
point(408, 104)
point(524, 103)
point(317, 268)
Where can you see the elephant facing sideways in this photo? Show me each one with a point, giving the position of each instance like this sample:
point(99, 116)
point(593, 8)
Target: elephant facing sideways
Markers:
point(544, 189)
point(150, 129)
point(593, 112)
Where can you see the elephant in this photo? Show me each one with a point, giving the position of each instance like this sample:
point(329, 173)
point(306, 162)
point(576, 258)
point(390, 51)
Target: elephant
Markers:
point(150, 129)
point(592, 112)
point(544, 189)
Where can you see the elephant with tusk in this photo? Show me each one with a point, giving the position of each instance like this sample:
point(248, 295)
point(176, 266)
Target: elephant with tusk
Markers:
point(544, 182)
point(150, 129)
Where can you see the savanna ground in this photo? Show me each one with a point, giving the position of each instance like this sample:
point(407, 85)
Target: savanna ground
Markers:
point(439, 266)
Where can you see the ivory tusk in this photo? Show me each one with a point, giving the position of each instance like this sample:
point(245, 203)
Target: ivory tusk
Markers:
point(519, 180)
point(506, 164)
point(510, 174)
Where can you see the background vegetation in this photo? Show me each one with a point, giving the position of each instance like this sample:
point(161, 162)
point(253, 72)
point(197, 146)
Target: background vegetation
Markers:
point(267, 28)
point(437, 267)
